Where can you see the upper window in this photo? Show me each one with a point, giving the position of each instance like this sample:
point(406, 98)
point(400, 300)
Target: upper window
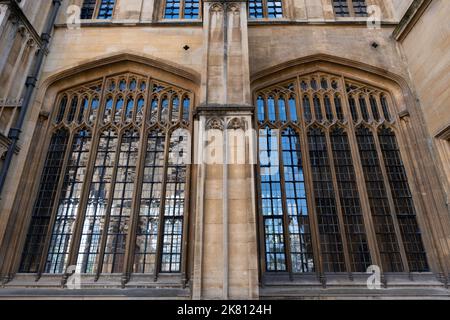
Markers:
point(112, 194)
point(350, 8)
point(333, 190)
point(99, 9)
point(265, 9)
point(182, 9)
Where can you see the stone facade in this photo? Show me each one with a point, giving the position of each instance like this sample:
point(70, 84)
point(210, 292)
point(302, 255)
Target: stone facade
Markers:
point(223, 58)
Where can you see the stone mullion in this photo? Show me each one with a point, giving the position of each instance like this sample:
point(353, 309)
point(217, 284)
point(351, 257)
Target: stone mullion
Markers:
point(187, 194)
point(42, 261)
point(265, 9)
point(81, 214)
point(138, 183)
point(315, 236)
point(182, 4)
point(391, 201)
point(338, 204)
point(351, 10)
point(185, 234)
point(360, 181)
point(259, 204)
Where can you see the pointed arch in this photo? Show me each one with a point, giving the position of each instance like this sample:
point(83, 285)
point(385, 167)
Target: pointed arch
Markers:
point(351, 199)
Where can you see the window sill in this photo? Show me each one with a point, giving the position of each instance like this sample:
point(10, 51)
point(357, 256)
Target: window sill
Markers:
point(88, 281)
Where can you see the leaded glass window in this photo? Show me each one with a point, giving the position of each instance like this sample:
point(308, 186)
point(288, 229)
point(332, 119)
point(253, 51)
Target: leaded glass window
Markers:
point(182, 9)
point(112, 192)
point(347, 8)
point(329, 165)
point(265, 9)
point(99, 9)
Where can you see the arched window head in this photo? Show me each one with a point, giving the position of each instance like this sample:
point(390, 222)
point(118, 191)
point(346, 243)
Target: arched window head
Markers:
point(97, 9)
point(100, 197)
point(339, 166)
point(350, 8)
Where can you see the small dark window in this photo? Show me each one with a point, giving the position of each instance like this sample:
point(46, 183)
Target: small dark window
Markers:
point(100, 9)
point(265, 9)
point(347, 8)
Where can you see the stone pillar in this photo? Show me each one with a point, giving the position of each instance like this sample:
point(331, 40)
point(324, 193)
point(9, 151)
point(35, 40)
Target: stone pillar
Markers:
point(225, 245)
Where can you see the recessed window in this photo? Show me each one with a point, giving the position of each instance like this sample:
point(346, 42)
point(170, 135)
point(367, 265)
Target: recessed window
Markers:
point(97, 9)
point(334, 195)
point(182, 9)
point(265, 9)
point(350, 8)
point(100, 198)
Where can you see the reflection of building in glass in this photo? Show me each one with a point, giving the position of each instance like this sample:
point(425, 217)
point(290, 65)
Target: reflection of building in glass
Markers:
point(112, 135)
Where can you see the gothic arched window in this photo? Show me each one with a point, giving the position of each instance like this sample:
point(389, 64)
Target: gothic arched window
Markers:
point(112, 192)
point(333, 190)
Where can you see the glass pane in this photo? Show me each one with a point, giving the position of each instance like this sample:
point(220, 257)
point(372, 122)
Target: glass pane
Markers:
point(106, 9)
point(350, 203)
point(122, 199)
point(174, 202)
point(330, 237)
point(274, 9)
point(68, 203)
point(381, 215)
point(37, 232)
point(61, 109)
point(255, 9)
point(148, 223)
point(99, 193)
point(341, 8)
point(403, 201)
point(191, 9)
point(87, 11)
point(296, 204)
point(271, 200)
point(282, 109)
point(172, 10)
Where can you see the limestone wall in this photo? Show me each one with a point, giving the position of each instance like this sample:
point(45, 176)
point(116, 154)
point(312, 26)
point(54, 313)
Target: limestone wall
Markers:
point(426, 49)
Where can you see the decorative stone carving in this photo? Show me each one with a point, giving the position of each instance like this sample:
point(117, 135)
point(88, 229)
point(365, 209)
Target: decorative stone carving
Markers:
point(236, 123)
point(233, 7)
point(22, 30)
point(216, 7)
point(215, 124)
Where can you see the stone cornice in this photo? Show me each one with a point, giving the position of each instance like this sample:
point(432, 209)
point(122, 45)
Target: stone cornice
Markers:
point(223, 108)
point(410, 18)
